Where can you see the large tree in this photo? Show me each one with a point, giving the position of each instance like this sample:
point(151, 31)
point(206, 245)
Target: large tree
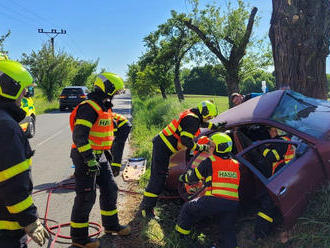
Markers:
point(180, 40)
point(300, 35)
point(226, 34)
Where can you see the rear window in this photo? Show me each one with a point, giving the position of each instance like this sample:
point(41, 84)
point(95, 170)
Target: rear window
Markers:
point(72, 91)
point(308, 115)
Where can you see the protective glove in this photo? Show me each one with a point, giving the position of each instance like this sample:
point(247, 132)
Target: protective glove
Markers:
point(93, 167)
point(115, 170)
point(219, 126)
point(37, 232)
point(204, 148)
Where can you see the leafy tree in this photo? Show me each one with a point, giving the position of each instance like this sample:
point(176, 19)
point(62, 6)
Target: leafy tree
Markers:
point(204, 80)
point(84, 70)
point(51, 72)
point(253, 82)
point(300, 37)
point(180, 40)
point(2, 39)
point(227, 35)
point(158, 62)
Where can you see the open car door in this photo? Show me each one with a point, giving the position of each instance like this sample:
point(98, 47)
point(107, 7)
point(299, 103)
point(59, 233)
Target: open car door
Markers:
point(290, 185)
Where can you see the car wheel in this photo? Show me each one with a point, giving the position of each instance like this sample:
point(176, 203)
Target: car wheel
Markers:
point(62, 108)
point(31, 129)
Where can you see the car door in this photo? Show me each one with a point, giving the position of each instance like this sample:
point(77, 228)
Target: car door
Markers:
point(291, 186)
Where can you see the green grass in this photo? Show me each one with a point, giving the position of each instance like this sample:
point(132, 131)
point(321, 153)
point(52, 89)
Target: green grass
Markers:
point(41, 103)
point(152, 115)
point(311, 231)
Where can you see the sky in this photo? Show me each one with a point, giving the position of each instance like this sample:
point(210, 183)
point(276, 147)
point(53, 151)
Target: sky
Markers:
point(111, 31)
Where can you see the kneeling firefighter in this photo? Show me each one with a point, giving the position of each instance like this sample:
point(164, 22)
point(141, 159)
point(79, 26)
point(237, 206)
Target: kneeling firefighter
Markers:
point(92, 132)
point(222, 177)
point(176, 136)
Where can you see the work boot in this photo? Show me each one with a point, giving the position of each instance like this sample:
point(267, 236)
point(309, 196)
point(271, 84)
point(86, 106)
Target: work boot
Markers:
point(148, 214)
point(89, 243)
point(122, 230)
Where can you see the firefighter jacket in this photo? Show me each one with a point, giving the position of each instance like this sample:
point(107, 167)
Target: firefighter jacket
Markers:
point(181, 133)
point(17, 209)
point(92, 127)
point(221, 176)
point(279, 154)
point(119, 121)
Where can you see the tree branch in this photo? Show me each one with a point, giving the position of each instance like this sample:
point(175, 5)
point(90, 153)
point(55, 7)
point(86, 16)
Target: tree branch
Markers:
point(242, 46)
point(211, 45)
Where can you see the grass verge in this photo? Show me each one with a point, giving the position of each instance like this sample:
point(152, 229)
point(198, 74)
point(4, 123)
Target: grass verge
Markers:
point(42, 104)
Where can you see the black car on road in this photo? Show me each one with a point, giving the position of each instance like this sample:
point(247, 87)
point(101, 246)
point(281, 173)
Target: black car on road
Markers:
point(71, 96)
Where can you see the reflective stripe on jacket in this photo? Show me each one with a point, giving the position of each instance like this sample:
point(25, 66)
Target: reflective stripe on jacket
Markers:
point(225, 178)
point(174, 129)
point(101, 133)
point(119, 119)
point(289, 154)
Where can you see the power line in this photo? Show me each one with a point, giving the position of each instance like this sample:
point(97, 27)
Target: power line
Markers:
point(52, 34)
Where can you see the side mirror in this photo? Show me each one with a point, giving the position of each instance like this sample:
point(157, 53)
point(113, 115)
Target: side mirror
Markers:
point(29, 92)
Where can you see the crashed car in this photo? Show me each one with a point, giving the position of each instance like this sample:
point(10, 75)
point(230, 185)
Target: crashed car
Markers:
point(305, 120)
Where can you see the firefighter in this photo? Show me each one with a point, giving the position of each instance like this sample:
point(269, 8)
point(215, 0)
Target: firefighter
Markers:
point(237, 98)
point(277, 155)
point(92, 135)
point(222, 177)
point(177, 135)
point(18, 214)
point(122, 127)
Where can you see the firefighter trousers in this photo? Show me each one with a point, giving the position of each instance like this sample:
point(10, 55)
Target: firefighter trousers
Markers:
point(85, 198)
point(13, 239)
point(265, 216)
point(223, 210)
point(159, 170)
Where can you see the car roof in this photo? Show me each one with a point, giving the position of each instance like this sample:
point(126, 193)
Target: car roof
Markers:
point(75, 87)
point(257, 109)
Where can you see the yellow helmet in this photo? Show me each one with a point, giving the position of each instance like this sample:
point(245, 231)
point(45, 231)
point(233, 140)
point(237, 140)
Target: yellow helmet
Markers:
point(13, 79)
point(109, 83)
point(223, 142)
point(207, 109)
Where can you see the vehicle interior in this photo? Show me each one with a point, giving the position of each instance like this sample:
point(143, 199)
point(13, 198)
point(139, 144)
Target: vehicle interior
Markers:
point(245, 136)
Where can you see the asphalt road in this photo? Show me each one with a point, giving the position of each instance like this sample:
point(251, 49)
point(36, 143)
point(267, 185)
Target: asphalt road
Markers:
point(51, 164)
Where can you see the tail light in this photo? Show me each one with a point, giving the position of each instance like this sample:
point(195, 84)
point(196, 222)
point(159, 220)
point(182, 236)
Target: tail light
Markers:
point(62, 97)
point(83, 96)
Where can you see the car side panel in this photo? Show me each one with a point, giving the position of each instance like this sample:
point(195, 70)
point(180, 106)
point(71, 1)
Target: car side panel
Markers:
point(290, 188)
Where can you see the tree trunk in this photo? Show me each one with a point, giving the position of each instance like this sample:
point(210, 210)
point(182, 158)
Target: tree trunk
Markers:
point(162, 90)
point(177, 83)
point(299, 33)
point(232, 81)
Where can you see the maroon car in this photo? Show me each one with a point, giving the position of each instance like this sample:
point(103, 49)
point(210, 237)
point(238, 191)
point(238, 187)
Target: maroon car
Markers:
point(305, 120)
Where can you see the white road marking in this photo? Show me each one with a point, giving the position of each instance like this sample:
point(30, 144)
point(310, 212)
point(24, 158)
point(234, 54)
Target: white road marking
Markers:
point(49, 138)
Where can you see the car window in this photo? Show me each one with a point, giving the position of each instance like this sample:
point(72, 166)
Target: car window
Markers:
point(305, 114)
point(73, 91)
point(273, 156)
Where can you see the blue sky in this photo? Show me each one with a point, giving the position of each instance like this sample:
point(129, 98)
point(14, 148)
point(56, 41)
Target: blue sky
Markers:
point(112, 31)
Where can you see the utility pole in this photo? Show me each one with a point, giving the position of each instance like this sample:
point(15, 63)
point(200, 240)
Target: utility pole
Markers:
point(52, 34)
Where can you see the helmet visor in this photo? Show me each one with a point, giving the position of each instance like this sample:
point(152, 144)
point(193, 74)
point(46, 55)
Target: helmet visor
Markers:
point(223, 146)
point(8, 86)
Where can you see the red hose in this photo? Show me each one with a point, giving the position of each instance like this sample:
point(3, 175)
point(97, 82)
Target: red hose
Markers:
point(71, 185)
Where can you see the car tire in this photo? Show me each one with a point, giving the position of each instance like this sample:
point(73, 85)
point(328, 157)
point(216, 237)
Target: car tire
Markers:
point(31, 129)
point(62, 108)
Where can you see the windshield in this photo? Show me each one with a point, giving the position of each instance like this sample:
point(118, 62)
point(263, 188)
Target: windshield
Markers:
point(73, 91)
point(305, 114)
